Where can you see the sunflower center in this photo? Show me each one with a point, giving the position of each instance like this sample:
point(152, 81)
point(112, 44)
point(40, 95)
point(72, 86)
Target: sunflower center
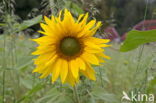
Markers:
point(69, 46)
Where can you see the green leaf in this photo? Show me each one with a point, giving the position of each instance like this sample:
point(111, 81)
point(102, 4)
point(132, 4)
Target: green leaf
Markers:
point(76, 8)
point(34, 90)
point(28, 23)
point(101, 94)
point(26, 82)
point(55, 96)
point(2, 24)
point(136, 38)
point(23, 62)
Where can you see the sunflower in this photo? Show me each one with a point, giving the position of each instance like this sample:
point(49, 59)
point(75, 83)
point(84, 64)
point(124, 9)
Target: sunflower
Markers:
point(68, 48)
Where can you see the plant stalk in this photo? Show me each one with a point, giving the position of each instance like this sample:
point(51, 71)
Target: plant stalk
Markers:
point(4, 67)
point(3, 91)
point(76, 94)
point(100, 71)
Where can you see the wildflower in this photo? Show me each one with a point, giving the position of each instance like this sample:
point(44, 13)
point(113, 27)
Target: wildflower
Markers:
point(68, 48)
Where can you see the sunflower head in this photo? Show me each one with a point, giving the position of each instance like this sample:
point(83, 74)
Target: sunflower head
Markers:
point(68, 48)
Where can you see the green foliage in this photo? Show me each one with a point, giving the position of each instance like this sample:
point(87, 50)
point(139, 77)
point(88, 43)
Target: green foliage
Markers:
point(31, 92)
point(54, 6)
point(28, 23)
point(55, 96)
point(97, 95)
point(136, 38)
point(2, 24)
point(11, 26)
point(75, 9)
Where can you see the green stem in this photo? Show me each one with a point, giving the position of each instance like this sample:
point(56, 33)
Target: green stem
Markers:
point(4, 67)
point(141, 52)
point(140, 56)
point(141, 48)
point(100, 71)
point(76, 95)
point(3, 91)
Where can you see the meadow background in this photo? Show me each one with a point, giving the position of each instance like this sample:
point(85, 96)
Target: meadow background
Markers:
point(134, 70)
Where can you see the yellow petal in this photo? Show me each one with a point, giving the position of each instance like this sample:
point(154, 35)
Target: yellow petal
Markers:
point(42, 32)
point(70, 79)
point(98, 40)
point(44, 49)
point(68, 18)
point(45, 40)
point(42, 59)
point(52, 60)
point(89, 72)
point(48, 68)
point(47, 20)
point(103, 55)
point(46, 73)
point(98, 25)
point(56, 70)
point(74, 67)
point(101, 60)
point(51, 29)
point(39, 68)
point(80, 17)
point(64, 70)
point(90, 24)
point(93, 50)
point(81, 63)
point(60, 14)
point(46, 28)
point(84, 20)
point(104, 45)
point(91, 58)
point(92, 45)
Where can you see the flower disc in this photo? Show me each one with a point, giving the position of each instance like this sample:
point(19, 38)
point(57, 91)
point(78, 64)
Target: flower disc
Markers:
point(69, 46)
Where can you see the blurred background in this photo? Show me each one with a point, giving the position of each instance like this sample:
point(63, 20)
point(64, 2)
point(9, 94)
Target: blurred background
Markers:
point(131, 71)
point(123, 15)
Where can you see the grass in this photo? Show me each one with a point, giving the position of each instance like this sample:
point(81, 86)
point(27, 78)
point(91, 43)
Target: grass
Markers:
point(124, 72)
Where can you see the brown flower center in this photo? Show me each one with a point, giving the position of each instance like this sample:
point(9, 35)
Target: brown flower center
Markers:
point(70, 46)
